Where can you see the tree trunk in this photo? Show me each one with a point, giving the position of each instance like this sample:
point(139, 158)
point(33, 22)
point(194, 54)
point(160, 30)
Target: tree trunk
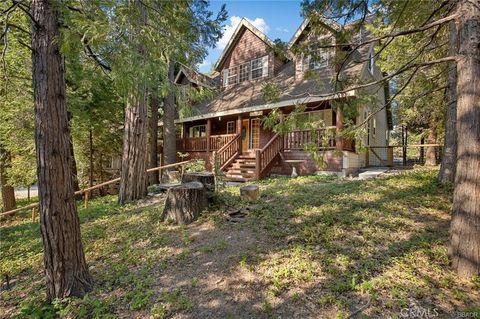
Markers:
point(404, 143)
point(133, 181)
point(154, 176)
point(422, 150)
point(8, 192)
point(465, 227)
point(90, 158)
point(169, 111)
point(449, 156)
point(431, 158)
point(65, 266)
point(184, 203)
point(76, 185)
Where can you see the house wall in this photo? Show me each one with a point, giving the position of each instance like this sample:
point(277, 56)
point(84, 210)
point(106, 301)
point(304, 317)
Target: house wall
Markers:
point(332, 159)
point(380, 137)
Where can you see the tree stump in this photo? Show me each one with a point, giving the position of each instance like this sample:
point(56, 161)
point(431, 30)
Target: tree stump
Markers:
point(184, 203)
point(206, 178)
point(250, 192)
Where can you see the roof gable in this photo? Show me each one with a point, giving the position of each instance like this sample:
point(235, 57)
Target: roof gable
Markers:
point(244, 24)
point(303, 28)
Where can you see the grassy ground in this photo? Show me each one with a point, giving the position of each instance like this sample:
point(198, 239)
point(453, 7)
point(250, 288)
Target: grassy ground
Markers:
point(311, 247)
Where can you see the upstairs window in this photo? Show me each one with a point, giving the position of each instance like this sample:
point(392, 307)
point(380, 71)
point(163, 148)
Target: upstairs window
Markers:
point(315, 62)
point(252, 70)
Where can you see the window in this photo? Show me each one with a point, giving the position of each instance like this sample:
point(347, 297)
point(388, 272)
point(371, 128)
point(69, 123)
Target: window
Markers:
point(231, 127)
point(198, 131)
point(251, 70)
point(371, 62)
point(318, 59)
point(315, 116)
point(374, 126)
point(244, 72)
point(257, 68)
point(255, 131)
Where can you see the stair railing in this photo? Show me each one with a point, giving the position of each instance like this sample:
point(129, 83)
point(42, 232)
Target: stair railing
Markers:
point(227, 153)
point(266, 156)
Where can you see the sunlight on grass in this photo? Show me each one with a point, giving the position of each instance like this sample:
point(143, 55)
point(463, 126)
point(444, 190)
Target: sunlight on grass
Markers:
point(327, 243)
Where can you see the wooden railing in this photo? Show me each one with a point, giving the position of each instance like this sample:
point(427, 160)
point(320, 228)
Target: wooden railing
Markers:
point(296, 140)
point(227, 152)
point(199, 144)
point(266, 156)
point(218, 141)
point(87, 191)
point(196, 144)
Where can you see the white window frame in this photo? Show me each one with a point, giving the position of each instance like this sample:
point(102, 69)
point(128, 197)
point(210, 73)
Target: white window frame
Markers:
point(308, 64)
point(228, 77)
point(232, 123)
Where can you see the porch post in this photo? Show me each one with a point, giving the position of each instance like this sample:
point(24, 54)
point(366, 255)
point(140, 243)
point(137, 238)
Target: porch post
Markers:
point(339, 125)
point(209, 128)
point(239, 130)
point(184, 137)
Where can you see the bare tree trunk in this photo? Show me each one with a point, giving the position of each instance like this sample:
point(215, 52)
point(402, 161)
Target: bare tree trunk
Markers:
point(154, 176)
point(169, 111)
point(76, 185)
point(65, 266)
point(431, 158)
point(422, 150)
point(90, 155)
point(465, 227)
point(8, 192)
point(449, 157)
point(133, 181)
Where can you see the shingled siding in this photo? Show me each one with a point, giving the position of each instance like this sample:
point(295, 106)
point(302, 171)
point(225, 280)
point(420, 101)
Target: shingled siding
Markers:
point(248, 47)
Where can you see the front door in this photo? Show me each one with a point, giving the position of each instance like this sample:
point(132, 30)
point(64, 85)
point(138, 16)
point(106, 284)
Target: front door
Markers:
point(245, 135)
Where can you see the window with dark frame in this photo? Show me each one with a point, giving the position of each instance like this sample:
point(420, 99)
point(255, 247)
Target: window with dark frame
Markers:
point(197, 131)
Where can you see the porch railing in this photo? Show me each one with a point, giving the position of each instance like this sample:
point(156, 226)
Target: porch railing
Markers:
point(296, 140)
point(218, 141)
point(266, 156)
point(227, 153)
point(199, 144)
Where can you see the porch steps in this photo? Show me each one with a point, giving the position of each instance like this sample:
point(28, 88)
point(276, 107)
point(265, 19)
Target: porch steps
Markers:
point(242, 169)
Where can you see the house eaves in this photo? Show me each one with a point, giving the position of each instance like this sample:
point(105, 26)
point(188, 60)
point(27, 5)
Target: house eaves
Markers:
point(267, 106)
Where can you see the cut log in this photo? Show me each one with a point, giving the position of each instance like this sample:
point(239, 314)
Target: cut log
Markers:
point(184, 203)
point(206, 178)
point(250, 192)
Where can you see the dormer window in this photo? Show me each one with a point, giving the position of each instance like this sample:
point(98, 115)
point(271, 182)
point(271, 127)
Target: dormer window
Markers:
point(316, 61)
point(252, 70)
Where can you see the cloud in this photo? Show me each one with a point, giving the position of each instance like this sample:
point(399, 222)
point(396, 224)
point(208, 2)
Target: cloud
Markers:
point(230, 28)
point(281, 29)
point(205, 64)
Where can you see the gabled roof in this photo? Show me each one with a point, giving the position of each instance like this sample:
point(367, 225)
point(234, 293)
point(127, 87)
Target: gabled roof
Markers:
point(244, 23)
point(194, 76)
point(329, 24)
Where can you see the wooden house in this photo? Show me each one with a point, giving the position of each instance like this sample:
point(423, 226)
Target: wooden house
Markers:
point(228, 127)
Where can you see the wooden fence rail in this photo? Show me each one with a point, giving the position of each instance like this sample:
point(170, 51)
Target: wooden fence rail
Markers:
point(86, 191)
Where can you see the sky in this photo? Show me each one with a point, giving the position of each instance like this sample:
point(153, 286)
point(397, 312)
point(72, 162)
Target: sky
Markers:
point(278, 19)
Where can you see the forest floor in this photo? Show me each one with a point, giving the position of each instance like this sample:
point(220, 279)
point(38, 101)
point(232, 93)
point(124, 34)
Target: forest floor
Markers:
point(310, 247)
